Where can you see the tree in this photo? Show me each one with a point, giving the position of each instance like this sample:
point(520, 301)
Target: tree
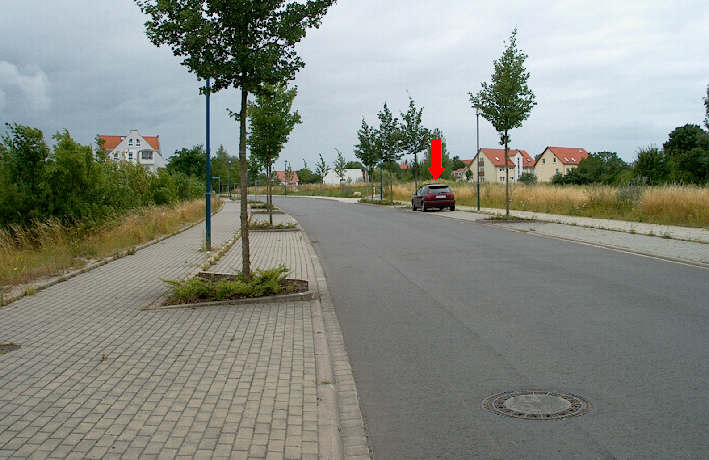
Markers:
point(321, 169)
point(446, 161)
point(600, 168)
point(340, 166)
point(528, 178)
point(706, 110)
point(366, 149)
point(687, 151)
point(238, 43)
point(414, 137)
point(288, 177)
point(191, 162)
point(271, 124)
point(507, 100)
point(652, 166)
point(388, 143)
point(354, 165)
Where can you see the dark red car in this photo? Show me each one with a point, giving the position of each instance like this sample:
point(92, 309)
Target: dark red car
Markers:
point(433, 196)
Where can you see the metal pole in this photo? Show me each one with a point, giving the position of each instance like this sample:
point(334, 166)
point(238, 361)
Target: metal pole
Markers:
point(381, 181)
point(228, 178)
point(477, 145)
point(208, 219)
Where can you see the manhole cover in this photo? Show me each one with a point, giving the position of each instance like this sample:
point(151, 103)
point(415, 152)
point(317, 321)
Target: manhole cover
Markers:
point(536, 404)
point(8, 347)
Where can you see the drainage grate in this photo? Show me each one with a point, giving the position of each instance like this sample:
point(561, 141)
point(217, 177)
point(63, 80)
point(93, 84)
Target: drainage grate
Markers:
point(536, 404)
point(8, 347)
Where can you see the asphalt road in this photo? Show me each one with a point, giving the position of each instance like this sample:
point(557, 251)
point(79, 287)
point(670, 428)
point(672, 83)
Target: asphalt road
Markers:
point(438, 314)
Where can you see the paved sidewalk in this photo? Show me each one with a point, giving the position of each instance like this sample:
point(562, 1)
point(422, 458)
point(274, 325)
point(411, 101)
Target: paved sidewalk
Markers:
point(97, 377)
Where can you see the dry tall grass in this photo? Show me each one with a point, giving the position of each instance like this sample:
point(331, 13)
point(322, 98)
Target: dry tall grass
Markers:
point(667, 205)
point(49, 248)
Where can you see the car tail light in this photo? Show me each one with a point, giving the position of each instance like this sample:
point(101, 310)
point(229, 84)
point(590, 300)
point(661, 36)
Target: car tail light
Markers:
point(430, 196)
point(451, 196)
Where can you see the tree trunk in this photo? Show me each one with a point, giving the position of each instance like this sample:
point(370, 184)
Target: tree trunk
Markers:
point(269, 196)
point(507, 180)
point(244, 189)
point(391, 183)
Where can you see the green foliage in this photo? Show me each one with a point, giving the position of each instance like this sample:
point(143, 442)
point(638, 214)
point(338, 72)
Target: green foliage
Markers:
point(306, 176)
point(527, 178)
point(190, 162)
point(652, 165)
point(262, 283)
point(354, 165)
point(321, 168)
point(271, 123)
point(706, 110)
point(366, 149)
point(413, 136)
point(507, 100)
point(70, 184)
point(340, 165)
point(598, 168)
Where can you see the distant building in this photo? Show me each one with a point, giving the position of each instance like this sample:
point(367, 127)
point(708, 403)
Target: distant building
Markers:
point(143, 150)
point(292, 180)
point(557, 160)
point(491, 168)
point(352, 176)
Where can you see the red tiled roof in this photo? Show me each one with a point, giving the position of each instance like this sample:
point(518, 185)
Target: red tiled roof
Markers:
point(281, 175)
point(154, 141)
point(569, 155)
point(467, 162)
point(111, 142)
point(497, 157)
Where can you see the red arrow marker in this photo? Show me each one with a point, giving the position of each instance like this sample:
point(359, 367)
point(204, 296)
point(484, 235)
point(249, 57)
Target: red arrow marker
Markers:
point(436, 160)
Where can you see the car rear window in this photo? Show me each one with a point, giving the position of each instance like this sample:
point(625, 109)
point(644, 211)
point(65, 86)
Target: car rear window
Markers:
point(439, 189)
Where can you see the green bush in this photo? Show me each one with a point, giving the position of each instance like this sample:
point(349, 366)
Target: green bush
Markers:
point(261, 283)
point(70, 183)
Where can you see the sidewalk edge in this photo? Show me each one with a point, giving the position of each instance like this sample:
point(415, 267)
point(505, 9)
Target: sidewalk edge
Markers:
point(338, 439)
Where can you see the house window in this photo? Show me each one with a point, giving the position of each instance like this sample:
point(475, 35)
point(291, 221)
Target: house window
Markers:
point(130, 142)
point(137, 142)
point(115, 155)
point(502, 179)
point(544, 161)
point(557, 170)
point(554, 159)
point(130, 157)
point(147, 155)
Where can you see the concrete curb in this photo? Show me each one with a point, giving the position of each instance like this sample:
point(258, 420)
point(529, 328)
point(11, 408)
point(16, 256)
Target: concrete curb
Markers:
point(283, 298)
point(338, 439)
point(74, 273)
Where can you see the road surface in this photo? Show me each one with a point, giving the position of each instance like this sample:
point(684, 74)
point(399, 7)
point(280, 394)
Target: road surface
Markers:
point(438, 314)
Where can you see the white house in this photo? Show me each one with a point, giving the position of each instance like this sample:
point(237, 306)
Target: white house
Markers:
point(352, 176)
point(144, 150)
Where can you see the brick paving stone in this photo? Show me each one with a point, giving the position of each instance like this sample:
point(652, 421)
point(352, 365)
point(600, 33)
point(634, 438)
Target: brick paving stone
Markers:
point(98, 377)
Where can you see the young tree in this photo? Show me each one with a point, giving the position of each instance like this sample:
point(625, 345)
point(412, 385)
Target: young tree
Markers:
point(288, 176)
point(339, 166)
point(388, 143)
point(271, 124)
point(366, 150)
point(507, 100)
point(321, 170)
point(414, 137)
point(706, 110)
point(238, 43)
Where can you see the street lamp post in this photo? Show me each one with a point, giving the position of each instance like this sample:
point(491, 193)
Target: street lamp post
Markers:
point(208, 218)
point(228, 178)
point(477, 146)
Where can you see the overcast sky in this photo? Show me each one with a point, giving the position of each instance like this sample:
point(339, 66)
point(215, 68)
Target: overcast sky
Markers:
point(608, 75)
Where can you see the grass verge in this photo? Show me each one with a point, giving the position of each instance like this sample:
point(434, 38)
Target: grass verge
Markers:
point(50, 248)
point(208, 287)
point(381, 202)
